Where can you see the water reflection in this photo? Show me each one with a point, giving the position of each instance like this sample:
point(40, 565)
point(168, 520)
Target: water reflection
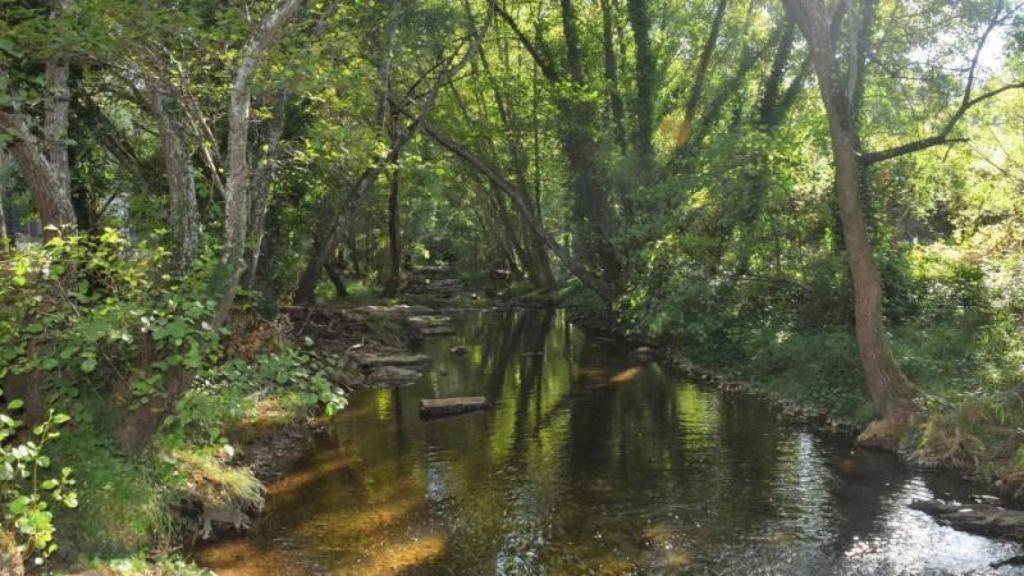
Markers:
point(589, 464)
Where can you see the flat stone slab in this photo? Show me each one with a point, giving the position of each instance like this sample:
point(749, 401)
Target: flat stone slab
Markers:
point(984, 519)
point(432, 325)
point(434, 408)
point(392, 376)
point(396, 311)
point(371, 361)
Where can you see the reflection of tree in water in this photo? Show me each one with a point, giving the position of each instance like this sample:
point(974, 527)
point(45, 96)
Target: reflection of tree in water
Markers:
point(863, 483)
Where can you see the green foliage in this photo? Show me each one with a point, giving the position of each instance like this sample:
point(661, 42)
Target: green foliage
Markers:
point(226, 393)
point(91, 312)
point(29, 486)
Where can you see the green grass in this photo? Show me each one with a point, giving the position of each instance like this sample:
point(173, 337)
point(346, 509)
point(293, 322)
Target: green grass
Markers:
point(123, 506)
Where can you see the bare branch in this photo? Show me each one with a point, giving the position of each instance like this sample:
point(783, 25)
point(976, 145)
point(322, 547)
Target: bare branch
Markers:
point(942, 137)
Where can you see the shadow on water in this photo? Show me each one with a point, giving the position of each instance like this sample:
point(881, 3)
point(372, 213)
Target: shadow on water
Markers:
point(588, 464)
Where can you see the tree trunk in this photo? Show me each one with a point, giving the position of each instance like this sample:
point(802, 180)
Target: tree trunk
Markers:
point(56, 112)
point(611, 76)
point(592, 213)
point(326, 244)
point(52, 202)
point(261, 182)
point(891, 393)
point(697, 88)
point(394, 250)
point(4, 238)
point(237, 202)
point(640, 21)
point(181, 186)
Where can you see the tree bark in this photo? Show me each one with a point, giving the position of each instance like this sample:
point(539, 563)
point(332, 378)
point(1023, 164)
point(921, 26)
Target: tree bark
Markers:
point(640, 21)
point(611, 76)
point(4, 238)
point(394, 249)
point(56, 111)
point(261, 181)
point(237, 201)
point(891, 393)
point(181, 185)
point(45, 165)
point(265, 171)
point(52, 202)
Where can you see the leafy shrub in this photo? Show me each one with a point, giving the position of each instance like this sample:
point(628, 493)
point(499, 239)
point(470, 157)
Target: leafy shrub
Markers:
point(28, 486)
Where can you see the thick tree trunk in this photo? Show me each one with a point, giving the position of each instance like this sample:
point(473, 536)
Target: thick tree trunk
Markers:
point(52, 202)
point(640, 21)
point(181, 186)
point(891, 393)
point(592, 212)
point(44, 165)
point(56, 113)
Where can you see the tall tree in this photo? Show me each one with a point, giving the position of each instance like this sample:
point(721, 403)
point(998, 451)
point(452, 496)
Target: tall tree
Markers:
point(44, 163)
point(181, 184)
point(640, 21)
point(237, 192)
point(842, 92)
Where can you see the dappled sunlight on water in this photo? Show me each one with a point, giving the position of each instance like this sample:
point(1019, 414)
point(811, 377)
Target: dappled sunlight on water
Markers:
point(588, 464)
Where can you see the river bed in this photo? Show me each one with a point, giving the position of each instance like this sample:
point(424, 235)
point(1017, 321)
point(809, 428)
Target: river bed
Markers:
point(590, 463)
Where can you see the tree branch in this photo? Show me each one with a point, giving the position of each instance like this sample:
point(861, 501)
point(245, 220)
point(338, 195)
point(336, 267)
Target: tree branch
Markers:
point(966, 103)
point(942, 137)
point(545, 67)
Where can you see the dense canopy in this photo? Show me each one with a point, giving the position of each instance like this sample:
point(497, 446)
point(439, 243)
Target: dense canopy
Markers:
point(823, 197)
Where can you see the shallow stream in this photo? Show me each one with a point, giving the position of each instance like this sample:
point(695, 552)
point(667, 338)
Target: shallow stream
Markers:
point(590, 464)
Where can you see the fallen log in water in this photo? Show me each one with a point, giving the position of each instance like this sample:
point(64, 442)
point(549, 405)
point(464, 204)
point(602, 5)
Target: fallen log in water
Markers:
point(434, 408)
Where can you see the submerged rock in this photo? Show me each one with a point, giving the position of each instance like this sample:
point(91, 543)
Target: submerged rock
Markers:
point(459, 350)
point(984, 519)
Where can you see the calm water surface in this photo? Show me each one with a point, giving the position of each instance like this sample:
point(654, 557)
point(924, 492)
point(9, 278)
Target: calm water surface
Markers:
point(589, 464)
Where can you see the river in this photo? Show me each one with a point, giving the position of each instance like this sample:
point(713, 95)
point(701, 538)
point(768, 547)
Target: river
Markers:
point(590, 464)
